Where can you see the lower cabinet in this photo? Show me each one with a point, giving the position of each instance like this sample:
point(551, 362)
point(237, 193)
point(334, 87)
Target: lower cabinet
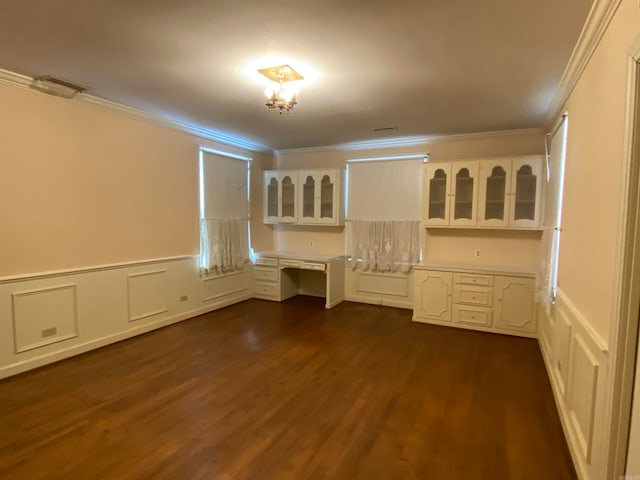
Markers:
point(480, 301)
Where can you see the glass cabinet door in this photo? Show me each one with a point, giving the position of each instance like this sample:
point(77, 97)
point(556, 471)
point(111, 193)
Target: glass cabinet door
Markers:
point(272, 198)
point(525, 194)
point(437, 188)
point(464, 192)
point(326, 198)
point(495, 194)
point(308, 198)
point(288, 198)
point(526, 188)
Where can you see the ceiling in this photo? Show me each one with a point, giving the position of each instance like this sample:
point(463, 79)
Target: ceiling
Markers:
point(423, 66)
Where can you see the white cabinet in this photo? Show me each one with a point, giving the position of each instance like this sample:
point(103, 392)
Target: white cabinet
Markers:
point(432, 295)
point(515, 305)
point(304, 197)
point(475, 300)
point(320, 197)
point(280, 203)
point(451, 190)
point(500, 193)
point(510, 192)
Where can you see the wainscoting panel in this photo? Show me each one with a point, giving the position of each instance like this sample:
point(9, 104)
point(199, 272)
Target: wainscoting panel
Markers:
point(147, 294)
point(576, 358)
point(392, 289)
point(44, 316)
point(217, 287)
point(561, 340)
point(581, 395)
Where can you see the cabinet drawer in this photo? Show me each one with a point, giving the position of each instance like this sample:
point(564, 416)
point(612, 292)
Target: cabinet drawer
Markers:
point(473, 279)
point(265, 274)
point(266, 290)
point(267, 261)
point(321, 267)
point(285, 262)
point(477, 316)
point(482, 296)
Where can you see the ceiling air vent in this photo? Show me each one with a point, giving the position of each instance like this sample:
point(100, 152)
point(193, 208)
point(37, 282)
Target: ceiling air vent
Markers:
point(56, 87)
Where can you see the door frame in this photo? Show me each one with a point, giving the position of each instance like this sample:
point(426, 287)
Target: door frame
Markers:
point(626, 308)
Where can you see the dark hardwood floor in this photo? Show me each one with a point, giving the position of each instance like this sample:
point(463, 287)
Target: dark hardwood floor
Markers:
point(262, 390)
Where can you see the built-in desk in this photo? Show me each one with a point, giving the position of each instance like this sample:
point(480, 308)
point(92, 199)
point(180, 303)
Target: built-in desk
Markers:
point(281, 275)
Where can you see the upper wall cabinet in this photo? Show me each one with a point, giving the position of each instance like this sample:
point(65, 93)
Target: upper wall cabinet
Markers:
point(510, 192)
point(303, 197)
point(280, 195)
point(500, 193)
point(451, 190)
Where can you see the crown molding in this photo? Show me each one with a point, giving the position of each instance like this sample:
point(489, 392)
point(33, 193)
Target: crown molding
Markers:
point(600, 15)
point(18, 80)
point(411, 141)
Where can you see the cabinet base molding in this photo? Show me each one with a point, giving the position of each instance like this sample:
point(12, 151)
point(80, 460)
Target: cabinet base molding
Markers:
point(473, 327)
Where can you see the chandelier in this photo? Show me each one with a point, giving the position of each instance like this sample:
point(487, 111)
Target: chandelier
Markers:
point(282, 92)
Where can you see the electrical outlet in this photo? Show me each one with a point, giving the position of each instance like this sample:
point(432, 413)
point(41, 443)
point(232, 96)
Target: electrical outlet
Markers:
point(184, 298)
point(476, 252)
point(49, 332)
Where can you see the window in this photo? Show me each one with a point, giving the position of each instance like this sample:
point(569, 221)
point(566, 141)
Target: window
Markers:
point(556, 159)
point(383, 211)
point(224, 212)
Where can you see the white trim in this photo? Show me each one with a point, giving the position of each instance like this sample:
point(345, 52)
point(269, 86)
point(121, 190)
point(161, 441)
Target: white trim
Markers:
point(602, 11)
point(16, 79)
point(410, 141)
point(93, 268)
point(624, 325)
point(600, 342)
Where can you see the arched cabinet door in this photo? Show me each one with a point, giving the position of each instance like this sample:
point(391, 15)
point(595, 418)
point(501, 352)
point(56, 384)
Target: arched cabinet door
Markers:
point(288, 203)
point(493, 195)
point(464, 194)
point(437, 194)
point(525, 192)
point(271, 197)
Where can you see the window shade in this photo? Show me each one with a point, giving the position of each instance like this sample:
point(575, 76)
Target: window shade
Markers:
point(385, 190)
point(225, 187)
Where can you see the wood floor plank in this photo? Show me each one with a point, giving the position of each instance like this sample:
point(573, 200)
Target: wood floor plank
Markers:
point(264, 390)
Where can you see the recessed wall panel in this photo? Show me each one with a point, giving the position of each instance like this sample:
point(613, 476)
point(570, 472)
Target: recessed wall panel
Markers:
point(44, 316)
point(147, 294)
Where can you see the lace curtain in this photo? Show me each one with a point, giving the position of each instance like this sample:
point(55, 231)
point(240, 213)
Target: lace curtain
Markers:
point(545, 287)
point(223, 245)
point(383, 245)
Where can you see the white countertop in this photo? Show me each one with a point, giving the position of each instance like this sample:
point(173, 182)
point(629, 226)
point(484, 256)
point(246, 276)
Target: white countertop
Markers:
point(471, 268)
point(311, 257)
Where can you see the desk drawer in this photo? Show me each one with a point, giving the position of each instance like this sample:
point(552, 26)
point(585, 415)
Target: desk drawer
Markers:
point(261, 274)
point(320, 267)
point(476, 316)
point(473, 279)
point(267, 261)
point(270, 291)
point(482, 296)
point(288, 263)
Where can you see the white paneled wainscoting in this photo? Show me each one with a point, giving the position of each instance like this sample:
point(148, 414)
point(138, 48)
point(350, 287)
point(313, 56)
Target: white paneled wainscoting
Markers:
point(54, 315)
point(576, 358)
point(379, 288)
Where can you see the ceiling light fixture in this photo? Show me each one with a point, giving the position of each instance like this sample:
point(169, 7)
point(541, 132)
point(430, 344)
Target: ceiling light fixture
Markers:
point(282, 92)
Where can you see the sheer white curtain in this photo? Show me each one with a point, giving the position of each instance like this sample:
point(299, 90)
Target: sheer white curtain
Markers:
point(383, 212)
point(547, 276)
point(224, 213)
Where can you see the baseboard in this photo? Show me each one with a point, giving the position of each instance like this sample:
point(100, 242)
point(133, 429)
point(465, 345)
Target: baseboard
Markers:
point(30, 364)
point(379, 301)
